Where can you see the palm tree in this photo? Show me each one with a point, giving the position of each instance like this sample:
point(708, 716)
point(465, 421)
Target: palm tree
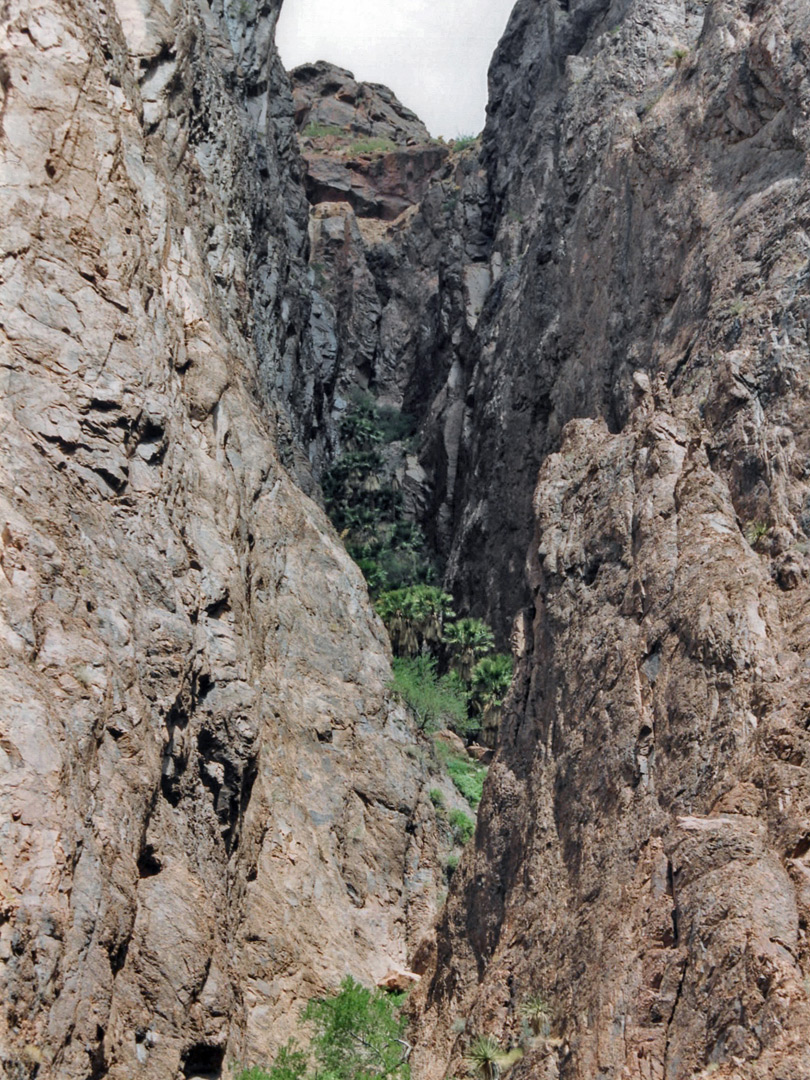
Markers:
point(469, 640)
point(491, 679)
point(414, 617)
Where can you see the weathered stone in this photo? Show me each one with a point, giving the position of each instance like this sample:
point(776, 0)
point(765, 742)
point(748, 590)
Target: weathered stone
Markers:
point(208, 808)
point(327, 96)
point(640, 850)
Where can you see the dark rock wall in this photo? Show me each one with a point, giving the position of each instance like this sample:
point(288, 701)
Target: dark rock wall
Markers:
point(640, 856)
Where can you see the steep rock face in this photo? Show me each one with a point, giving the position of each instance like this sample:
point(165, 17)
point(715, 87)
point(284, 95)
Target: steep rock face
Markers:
point(209, 807)
point(398, 259)
point(640, 857)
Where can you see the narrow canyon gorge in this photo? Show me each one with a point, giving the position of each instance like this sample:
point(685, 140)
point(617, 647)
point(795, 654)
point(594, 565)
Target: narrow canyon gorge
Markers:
point(588, 331)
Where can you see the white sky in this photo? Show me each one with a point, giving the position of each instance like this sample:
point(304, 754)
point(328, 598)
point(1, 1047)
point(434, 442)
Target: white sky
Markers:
point(434, 54)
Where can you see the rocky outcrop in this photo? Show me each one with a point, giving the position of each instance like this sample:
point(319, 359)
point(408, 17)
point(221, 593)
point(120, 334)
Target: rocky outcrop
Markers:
point(639, 863)
point(210, 808)
point(398, 261)
point(327, 96)
point(379, 176)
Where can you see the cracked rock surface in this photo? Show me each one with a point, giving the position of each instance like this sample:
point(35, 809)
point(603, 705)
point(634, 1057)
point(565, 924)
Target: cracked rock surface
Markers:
point(640, 858)
point(209, 808)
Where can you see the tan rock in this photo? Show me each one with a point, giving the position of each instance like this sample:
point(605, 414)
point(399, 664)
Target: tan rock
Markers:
point(399, 981)
point(209, 811)
point(451, 741)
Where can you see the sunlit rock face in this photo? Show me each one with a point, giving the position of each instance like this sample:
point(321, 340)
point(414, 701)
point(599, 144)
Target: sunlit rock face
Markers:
point(640, 859)
point(209, 808)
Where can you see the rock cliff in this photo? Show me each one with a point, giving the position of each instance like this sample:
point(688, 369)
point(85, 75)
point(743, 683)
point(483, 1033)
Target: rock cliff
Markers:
point(210, 807)
point(640, 860)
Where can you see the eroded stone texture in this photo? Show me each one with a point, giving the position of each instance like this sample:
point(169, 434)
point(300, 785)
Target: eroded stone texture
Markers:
point(645, 172)
point(209, 808)
point(640, 856)
point(398, 258)
point(641, 859)
point(329, 96)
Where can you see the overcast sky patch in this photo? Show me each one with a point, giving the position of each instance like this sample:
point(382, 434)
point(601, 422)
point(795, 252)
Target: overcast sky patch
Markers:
point(434, 54)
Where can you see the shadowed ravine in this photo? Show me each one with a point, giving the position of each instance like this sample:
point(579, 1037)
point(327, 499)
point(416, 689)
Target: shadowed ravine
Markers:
point(589, 335)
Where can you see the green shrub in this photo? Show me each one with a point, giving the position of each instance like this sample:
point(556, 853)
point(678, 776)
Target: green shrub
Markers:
point(322, 131)
point(434, 700)
point(437, 798)
point(372, 146)
point(464, 141)
point(357, 1034)
point(291, 1063)
point(466, 774)
point(451, 865)
point(365, 509)
point(463, 826)
point(395, 425)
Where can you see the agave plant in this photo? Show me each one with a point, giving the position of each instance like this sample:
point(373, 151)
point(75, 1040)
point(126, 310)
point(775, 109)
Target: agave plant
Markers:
point(484, 1055)
point(536, 1013)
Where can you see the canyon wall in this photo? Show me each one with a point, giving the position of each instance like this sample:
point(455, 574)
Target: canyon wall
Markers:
point(640, 863)
point(210, 808)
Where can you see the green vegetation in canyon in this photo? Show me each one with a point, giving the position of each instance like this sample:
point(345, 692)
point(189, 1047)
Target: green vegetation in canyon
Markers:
point(356, 1034)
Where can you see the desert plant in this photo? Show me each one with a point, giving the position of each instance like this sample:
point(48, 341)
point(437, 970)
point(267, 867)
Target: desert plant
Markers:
point(372, 146)
point(394, 424)
point(366, 509)
point(291, 1063)
point(467, 775)
point(434, 700)
point(463, 826)
point(359, 1035)
point(536, 1012)
point(468, 640)
point(755, 532)
point(356, 1034)
point(462, 142)
point(322, 131)
point(414, 617)
point(437, 798)
point(484, 1056)
point(490, 681)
